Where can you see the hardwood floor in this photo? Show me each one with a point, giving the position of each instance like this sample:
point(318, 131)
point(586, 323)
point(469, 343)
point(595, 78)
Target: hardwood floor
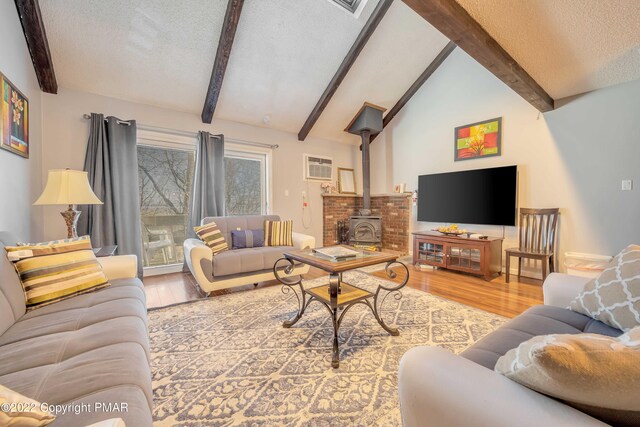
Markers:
point(496, 296)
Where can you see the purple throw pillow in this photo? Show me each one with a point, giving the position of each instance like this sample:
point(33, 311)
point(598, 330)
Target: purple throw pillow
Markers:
point(241, 239)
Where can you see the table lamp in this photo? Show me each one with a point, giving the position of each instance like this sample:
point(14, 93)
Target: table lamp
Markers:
point(68, 187)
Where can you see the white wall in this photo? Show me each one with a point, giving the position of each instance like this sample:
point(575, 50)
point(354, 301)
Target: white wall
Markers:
point(20, 178)
point(573, 158)
point(66, 133)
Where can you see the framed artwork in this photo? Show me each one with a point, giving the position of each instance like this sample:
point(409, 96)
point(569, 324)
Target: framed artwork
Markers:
point(481, 139)
point(346, 181)
point(14, 123)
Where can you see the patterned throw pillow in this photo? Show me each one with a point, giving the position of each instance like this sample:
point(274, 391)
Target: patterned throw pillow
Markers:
point(19, 410)
point(593, 373)
point(52, 272)
point(241, 239)
point(211, 235)
point(278, 233)
point(55, 242)
point(29, 250)
point(614, 297)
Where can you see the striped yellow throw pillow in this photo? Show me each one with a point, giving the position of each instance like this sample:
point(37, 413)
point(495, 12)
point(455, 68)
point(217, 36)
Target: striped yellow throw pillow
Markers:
point(56, 271)
point(211, 235)
point(30, 250)
point(278, 233)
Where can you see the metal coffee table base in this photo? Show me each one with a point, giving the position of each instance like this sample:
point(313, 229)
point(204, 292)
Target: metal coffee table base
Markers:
point(338, 297)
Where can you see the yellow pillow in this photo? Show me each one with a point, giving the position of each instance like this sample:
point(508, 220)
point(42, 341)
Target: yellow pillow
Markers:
point(19, 410)
point(278, 233)
point(52, 272)
point(211, 235)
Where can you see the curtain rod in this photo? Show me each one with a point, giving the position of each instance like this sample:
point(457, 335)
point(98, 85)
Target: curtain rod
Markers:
point(190, 134)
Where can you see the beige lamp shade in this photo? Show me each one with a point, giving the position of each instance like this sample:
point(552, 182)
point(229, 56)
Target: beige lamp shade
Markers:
point(67, 187)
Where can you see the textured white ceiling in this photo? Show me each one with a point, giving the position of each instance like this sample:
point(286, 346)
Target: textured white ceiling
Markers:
point(284, 55)
point(399, 51)
point(160, 52)
point(567, 46)
point(157, 52)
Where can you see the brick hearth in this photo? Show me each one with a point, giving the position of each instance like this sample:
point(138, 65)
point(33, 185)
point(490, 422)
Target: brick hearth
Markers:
point(395, 210)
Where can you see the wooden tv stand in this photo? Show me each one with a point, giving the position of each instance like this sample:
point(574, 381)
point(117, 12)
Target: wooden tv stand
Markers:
point(476, 256)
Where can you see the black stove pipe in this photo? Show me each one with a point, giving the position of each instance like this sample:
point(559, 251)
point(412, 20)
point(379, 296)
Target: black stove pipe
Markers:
point(366, 174)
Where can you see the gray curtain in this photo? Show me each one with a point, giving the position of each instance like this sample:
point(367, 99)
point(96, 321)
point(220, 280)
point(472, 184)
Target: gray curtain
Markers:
point(207, 192)
point(111, 161)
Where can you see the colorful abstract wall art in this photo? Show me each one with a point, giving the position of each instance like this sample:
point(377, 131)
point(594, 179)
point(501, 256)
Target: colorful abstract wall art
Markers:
point(481, 139)
point(14, 123)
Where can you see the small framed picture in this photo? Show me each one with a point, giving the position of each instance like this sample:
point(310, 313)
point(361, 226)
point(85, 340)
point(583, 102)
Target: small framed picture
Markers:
point(14, 123)
point(346, 181)
point(400, 188)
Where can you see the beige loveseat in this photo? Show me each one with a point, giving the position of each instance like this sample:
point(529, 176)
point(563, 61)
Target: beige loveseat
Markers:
point(240, 266)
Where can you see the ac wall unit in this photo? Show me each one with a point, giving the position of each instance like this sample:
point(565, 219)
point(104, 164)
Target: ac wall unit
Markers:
point(318, 168)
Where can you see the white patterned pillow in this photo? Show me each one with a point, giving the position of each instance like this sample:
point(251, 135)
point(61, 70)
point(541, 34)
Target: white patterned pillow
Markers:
point(593, 373)
point(614, 296)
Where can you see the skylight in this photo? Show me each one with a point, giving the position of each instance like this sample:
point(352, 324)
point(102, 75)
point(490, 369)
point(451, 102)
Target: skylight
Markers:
point(350, 5)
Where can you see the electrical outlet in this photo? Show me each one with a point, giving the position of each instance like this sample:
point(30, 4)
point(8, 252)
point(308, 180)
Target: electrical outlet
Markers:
point(286, 193)
point(627, 185)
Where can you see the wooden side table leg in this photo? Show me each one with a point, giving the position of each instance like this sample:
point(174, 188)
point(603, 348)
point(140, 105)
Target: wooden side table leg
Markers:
point(507, 267)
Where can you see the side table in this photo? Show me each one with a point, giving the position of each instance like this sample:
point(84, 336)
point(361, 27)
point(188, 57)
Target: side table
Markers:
point(336, 294)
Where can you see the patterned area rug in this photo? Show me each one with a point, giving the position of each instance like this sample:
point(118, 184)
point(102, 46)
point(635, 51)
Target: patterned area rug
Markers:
point(227, 361)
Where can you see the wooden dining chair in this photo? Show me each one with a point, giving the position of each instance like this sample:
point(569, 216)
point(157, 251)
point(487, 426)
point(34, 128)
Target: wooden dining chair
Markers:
point(536, 239)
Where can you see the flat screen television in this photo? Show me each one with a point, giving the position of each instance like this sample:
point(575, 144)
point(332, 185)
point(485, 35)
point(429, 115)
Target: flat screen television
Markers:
point(482, 196)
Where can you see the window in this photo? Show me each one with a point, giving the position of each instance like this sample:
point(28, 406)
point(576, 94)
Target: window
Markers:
point(164, 182)
point(246, 183)
point(166, 166)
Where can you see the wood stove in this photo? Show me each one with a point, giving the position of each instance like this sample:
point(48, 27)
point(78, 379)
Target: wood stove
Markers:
point(366, 231)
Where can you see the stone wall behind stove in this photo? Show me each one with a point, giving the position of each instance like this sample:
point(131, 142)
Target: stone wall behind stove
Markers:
point(395, 210)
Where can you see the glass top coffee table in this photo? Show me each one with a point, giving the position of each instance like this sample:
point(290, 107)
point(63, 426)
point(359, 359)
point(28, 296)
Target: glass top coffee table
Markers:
point(337, 295)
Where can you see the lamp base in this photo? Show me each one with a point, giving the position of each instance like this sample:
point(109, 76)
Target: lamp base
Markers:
point(71, 219)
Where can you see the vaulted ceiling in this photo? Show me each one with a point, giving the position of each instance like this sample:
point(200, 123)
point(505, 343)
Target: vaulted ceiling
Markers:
point(152, 52)
point(161, 52)
point(568, 46)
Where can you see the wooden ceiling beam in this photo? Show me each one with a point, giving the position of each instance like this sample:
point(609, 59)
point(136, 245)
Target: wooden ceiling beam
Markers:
point(36, 36)
point(231, 20)
point(433, 66)
point(453, 21)
point(347, 63)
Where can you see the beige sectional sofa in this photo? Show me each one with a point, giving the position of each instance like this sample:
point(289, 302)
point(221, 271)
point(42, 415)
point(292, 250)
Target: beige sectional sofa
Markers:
point(240, 266)
point(87, 349)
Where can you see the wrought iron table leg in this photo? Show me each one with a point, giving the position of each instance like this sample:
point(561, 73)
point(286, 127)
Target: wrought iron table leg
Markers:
point(335, 280)
point(395, 290)
point(393, 331)
point(289, 285)
point(289, 323)
point(335, 360)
